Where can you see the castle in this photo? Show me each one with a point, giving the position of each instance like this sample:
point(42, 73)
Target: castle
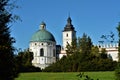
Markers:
point(44, 48)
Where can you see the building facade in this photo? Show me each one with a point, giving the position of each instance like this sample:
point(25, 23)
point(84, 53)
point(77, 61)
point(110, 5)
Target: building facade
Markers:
point(111, 50)
point(43, 46)
point(45, 51)
point(68, 35)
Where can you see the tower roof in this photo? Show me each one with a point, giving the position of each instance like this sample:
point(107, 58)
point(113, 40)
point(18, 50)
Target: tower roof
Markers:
point(42, 35)
point(69, 26)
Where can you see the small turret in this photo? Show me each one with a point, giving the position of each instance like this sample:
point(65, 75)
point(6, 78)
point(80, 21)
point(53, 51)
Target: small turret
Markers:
point(43, 25)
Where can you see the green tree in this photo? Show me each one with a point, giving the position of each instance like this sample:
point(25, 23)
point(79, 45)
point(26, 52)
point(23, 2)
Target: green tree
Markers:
point(25, 58)
point(85, 44)
point(83, 56)
point(8, 69)
point(103, 54)
point(95, 51)
point(118, 66)
point(24, 62)
point(72, 48)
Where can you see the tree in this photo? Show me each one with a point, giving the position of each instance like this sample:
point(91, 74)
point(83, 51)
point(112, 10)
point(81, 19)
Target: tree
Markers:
point(108, 38)
point(95, 51)
point(8, 69)
point(72, 48)
point(103, 54)
point(83, 56)
point(85, 44)
point(24, 58)
point(117, 71)
point(24, 62)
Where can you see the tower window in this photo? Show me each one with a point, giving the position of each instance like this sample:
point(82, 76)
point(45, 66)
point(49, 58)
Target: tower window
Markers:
point(41, 52)
point(66, 35)
point(67, 42)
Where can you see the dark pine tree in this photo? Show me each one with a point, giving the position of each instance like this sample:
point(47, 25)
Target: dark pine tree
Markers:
point(7, 61)
point(85, 44)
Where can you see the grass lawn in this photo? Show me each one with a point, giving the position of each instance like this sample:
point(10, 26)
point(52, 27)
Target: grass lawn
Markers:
point(65, 76)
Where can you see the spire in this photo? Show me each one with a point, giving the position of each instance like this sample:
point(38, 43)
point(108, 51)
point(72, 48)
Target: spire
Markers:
point(69, 26)
point(42, 25)
point(69, 21)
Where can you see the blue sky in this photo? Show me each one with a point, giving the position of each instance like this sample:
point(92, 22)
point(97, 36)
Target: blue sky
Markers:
point(93, 17)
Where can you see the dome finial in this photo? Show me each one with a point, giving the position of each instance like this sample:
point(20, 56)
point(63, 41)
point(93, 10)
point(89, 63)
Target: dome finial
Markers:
point(42, 25)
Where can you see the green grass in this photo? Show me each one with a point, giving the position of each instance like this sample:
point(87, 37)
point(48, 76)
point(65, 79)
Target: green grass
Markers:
point(65, 76)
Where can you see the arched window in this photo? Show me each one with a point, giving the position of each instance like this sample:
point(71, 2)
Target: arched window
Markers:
point(67, 35)
point(41, 52)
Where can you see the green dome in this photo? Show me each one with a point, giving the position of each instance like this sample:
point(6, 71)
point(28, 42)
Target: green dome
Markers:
point(42, 36)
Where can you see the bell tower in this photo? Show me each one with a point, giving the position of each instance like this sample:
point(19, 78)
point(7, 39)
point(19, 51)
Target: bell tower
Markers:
point(68, 33)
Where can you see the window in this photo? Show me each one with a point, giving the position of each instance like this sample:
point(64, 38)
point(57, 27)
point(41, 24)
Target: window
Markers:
point(42, 44)
point(67, 42)
point(41, 52)
point(67, 35)
point(48, 43)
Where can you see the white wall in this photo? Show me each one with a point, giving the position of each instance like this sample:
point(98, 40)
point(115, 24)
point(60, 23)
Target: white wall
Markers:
point(48, 58)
